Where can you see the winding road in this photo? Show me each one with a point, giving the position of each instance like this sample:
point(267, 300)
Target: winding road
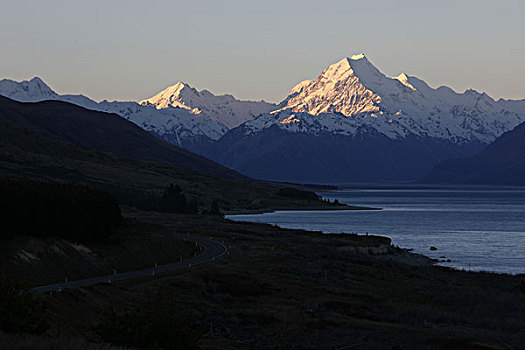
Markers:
point(211, 251)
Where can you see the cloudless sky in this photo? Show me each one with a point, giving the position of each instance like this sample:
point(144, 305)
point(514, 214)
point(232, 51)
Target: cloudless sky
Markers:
point(129, 50)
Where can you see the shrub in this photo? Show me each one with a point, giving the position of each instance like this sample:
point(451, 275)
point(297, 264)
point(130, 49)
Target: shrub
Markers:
point(174, 201)
point(171, 201)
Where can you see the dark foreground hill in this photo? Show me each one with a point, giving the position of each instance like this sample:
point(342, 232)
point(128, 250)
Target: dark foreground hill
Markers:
point(65, 122)
point(28, 154)
point(501, 163)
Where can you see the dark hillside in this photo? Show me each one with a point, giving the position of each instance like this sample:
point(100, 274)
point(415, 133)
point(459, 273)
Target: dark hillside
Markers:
point(27, 154)
point(65, 122)
point(501, 163)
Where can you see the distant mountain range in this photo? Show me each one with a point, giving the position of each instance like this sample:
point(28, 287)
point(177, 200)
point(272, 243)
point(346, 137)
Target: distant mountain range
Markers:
point(350, 124)
point(179, 114)
point(500, 163)
point(354, 124)
point(223, 109)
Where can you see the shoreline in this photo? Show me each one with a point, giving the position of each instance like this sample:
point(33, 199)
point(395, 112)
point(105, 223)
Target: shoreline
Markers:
point(313, 208)
point(422, 186)
point(408, 255)
point(434, 261)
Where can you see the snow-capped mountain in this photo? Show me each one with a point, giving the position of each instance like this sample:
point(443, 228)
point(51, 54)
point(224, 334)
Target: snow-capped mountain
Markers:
point(353, 123)
point(176, 125)
point(33, 90)
point(350, 124)
point(224, 109)
point(396, 107)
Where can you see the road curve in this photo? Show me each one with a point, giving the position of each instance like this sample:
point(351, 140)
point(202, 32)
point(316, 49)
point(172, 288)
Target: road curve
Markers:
point(211, 251)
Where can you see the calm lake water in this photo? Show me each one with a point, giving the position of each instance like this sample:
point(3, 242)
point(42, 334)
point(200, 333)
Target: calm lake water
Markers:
point(477, 230)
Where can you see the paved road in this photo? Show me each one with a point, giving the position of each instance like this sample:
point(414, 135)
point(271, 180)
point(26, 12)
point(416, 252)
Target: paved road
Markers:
point(211, 251)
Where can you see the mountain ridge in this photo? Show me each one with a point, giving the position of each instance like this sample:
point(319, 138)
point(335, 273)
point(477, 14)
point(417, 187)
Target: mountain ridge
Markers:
point(500, 163)
point(176, 125)
point(225, 109)
point(354, 87)
point(351, 102)
point(76, 125)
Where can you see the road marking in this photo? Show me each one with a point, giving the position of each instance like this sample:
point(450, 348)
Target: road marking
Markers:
point(210, 251)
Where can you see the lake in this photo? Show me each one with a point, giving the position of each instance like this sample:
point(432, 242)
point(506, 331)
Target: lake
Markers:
point(477, 230)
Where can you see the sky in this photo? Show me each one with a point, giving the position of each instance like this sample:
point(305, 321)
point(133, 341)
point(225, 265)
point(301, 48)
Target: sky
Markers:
point(130, 50)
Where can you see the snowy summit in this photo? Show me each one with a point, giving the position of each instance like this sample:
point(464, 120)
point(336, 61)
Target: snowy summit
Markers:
point(396, 107)
point(224, 109)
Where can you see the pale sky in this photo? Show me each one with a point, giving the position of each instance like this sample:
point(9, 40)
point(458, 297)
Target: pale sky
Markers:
point(130, 50)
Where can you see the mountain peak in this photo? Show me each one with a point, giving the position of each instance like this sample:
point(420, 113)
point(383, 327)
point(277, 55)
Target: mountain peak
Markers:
point(224, 109)
point(37, 80)
point(175, 88)
point(38, 84)
point(356, 66)
point(179, 84)
point(170, 97)
point(338, 71)
point(359, 56)
point(337, 89)
point(403, 79)
point(27, 90)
